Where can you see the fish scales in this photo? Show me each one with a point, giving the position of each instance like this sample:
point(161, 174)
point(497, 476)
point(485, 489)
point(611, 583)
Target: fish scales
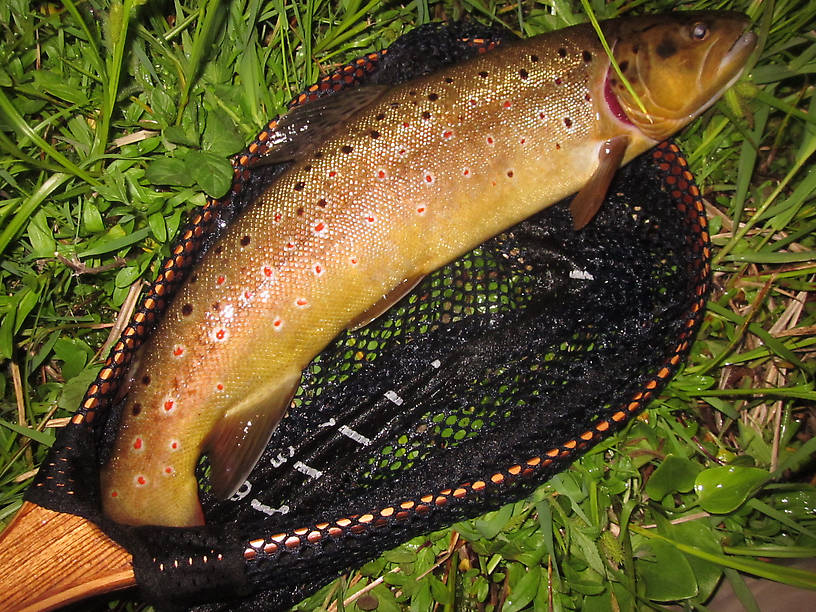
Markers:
point(425, 172)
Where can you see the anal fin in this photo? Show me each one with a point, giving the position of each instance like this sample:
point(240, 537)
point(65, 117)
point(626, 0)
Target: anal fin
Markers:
point(237, 441)
point(587, 202)
point(386, 302)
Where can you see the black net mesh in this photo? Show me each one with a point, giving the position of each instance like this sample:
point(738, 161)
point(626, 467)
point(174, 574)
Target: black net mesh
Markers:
point(490, 377)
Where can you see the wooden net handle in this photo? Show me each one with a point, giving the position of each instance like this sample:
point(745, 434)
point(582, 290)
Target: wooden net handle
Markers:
point(49, 559)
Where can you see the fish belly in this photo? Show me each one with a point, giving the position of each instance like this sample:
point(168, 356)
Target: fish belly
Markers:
point(424, 174)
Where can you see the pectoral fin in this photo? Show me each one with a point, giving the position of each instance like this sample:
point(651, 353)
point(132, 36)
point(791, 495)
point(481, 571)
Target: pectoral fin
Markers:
point(387, 301)
point(240, 437)
point(588, 201)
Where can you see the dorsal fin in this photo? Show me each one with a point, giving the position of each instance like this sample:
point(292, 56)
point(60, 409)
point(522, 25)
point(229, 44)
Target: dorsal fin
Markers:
point(298, 131)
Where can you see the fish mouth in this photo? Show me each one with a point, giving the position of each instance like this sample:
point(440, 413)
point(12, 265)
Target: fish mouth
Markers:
point(739, 52)
point(612, 100)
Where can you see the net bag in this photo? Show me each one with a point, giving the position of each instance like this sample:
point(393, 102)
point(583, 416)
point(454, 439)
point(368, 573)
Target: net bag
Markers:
point(495, 373)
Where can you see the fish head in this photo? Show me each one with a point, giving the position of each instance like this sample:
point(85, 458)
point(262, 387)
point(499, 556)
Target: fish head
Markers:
point(678, 65)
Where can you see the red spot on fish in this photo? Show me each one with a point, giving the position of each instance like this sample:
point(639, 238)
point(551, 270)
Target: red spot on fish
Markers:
point(174, 444)
point(137, 444)
point(268, 271)
point(522, 141)
point(332, 173)
point(318, 269)
point(381, 174)
point(405, 124)
point(277, 217)
point(353, 261)
point(169, 405)
point(140, 480)
point(248, 294)
point(178, 350)
point(221, 334)
point(320, 228)
point(542, 115)
point(429, 178)
point(402, 152)
point(301, 302)
point(490, 141)
point(466, 173)
point(114, 493)
point(448, 134)
point(473, 102)
point(369, 217)
point(220, 280)
point(277, 324)
point(420, 210)
point(507, 104)
point(289, 246)
point(169, 470)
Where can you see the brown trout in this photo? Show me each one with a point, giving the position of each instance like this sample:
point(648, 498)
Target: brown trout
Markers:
point(386, 185)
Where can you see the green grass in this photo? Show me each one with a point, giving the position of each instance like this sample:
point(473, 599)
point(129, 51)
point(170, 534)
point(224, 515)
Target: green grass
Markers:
point(101, 101)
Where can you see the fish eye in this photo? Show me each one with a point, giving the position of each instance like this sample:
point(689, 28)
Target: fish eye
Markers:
point(699, 31)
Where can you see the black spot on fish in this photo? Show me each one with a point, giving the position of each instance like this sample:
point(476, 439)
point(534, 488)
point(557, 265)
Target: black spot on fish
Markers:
point(380, 116)
point(426, 115)
point(523, 73)
point(666, 48)
point(216, 306)
point(483, 74)
point(558, 80)
point(318, 154)
point(322, 202)
point(244, 240)
point(346, 149)
point(586, 55)
point(395, 105)
point(137, 408)
point(307, 168)
point(557, 146)
point(412, 92)
point(562, 52)
point(635, 49)
point(218, 250)
point(509, 174)
point(374, 134)
point(624, 65)
point(533, 58)
point(567, 121)
point(187, 309)
point(299, 186)
point(194, 278)
point(433, 97)
point(448, 80)
point(145, 380)
point(300, 212)
point(587, 97)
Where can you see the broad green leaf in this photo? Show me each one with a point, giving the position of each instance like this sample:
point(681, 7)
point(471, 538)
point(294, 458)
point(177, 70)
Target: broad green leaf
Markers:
point(667, 573)
point(523, 591)
point(158, 226)
point(168, 171)
point(91, 219)
point(73, 353)
point(723, 489)
point(41, 236)
point(212, 172)
point(674, 474)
